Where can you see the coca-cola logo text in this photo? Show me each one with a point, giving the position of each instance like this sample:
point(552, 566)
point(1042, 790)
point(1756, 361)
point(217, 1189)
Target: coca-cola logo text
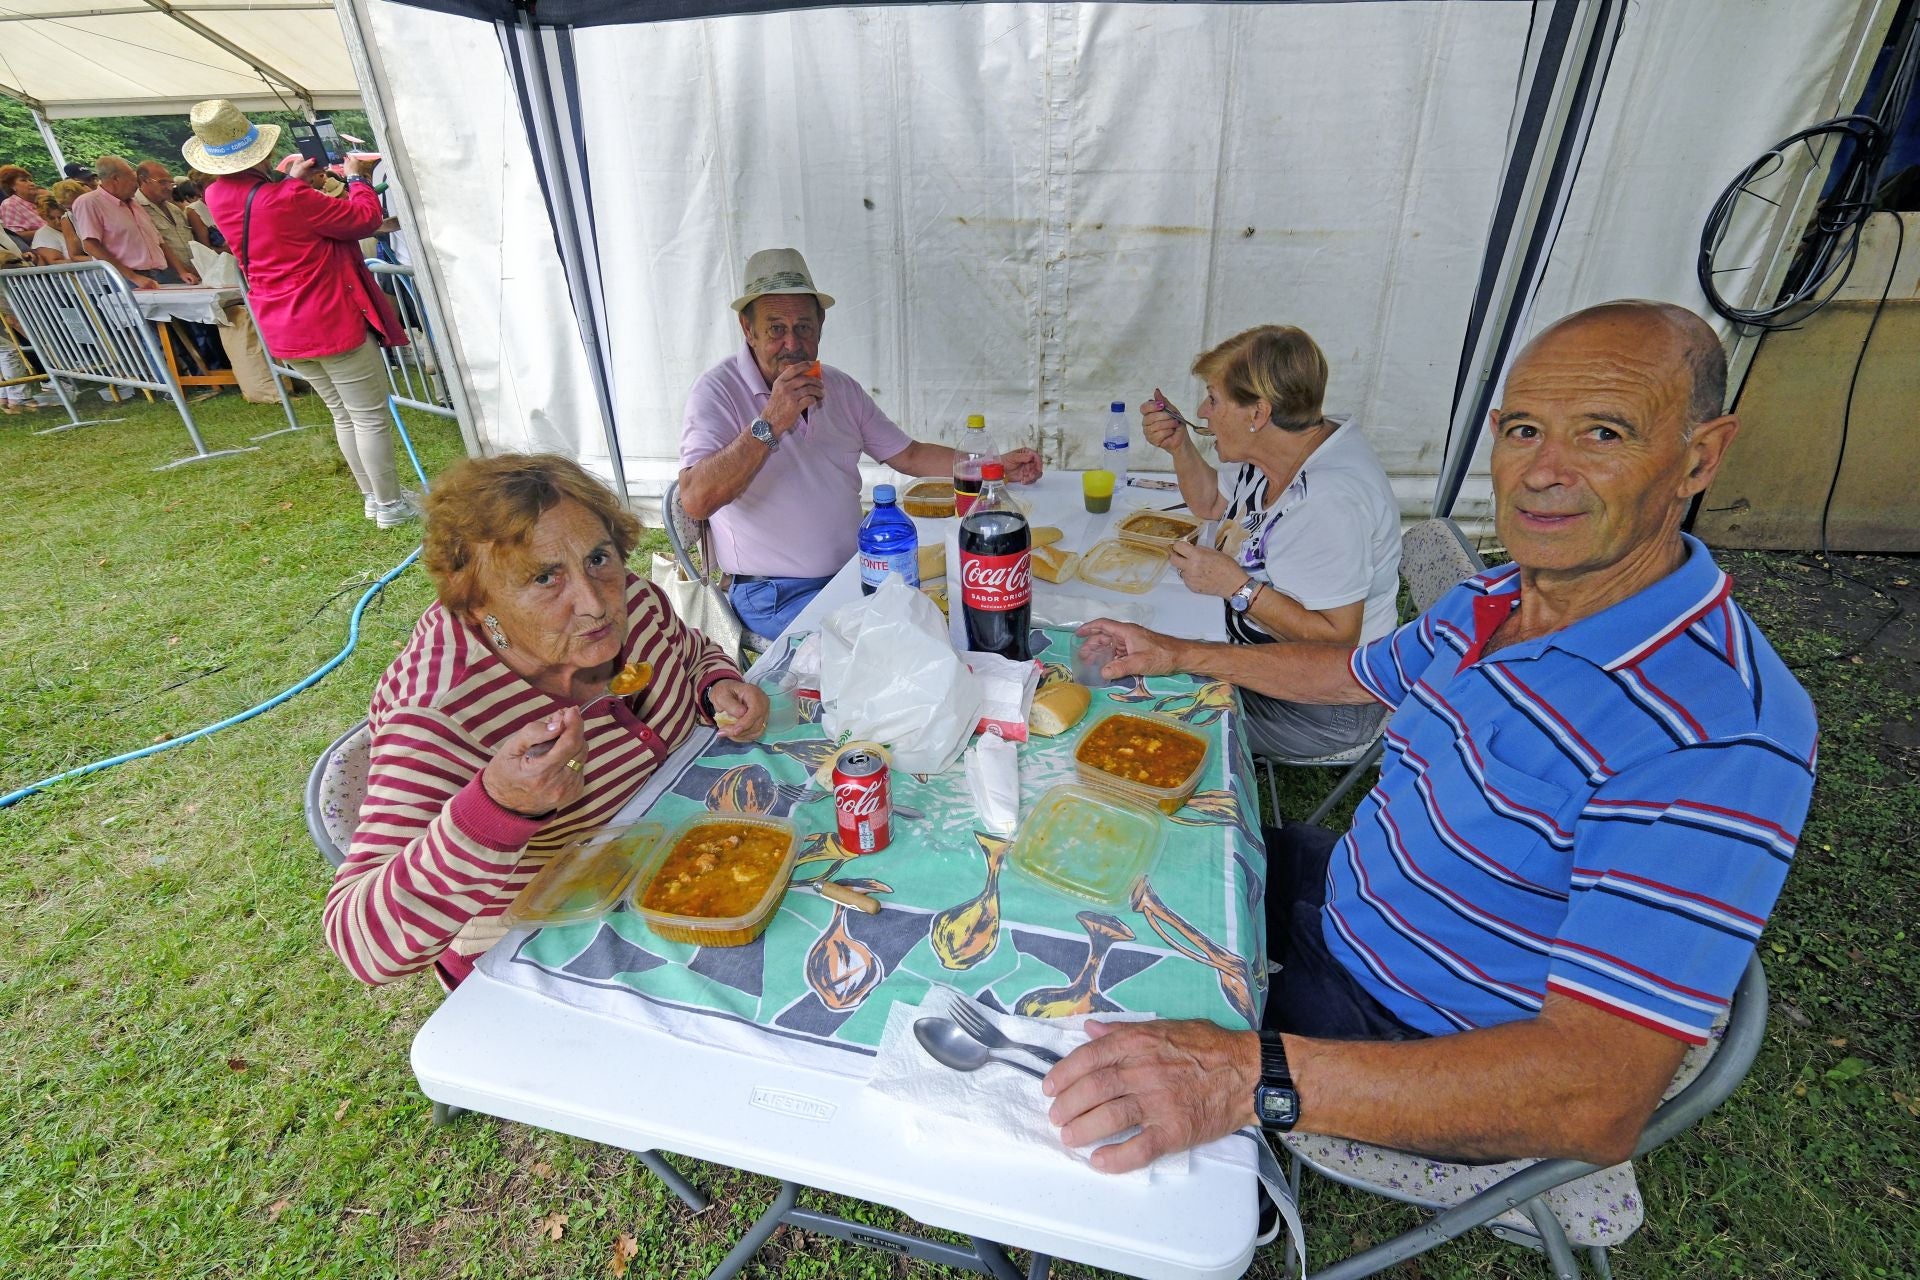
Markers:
point(996, 583)
point(859, 799)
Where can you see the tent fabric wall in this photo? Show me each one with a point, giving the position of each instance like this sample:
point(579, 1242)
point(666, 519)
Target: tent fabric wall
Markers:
point(1030, 210)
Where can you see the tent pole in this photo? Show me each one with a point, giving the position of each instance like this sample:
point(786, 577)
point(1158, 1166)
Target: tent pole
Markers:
point(46, 136)
point(577, 255)
point(1554, 113)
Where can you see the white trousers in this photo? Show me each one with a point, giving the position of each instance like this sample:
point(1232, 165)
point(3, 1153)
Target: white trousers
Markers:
point(353, 385)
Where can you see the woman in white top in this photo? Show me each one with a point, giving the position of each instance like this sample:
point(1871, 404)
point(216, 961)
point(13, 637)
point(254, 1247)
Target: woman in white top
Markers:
point(1310, 527)
point(55, 241)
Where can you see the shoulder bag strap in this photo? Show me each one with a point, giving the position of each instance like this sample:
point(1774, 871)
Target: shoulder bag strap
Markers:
point(246, 228)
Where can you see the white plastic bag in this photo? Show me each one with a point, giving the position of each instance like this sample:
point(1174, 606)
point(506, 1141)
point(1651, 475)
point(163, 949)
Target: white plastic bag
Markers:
point(214, 268)
point(888, 675)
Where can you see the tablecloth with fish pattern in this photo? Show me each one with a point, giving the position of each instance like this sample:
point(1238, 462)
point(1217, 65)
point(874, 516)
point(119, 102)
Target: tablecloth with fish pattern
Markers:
point(818, 983)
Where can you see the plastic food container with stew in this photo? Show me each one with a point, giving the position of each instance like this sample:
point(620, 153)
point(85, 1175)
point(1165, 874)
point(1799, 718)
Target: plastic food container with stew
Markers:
point(1132, 567)
point(930, 499)
point(1088, 843)
point(586, 878)
point(1157, 528)
point(1097, 758)
point(736, 928)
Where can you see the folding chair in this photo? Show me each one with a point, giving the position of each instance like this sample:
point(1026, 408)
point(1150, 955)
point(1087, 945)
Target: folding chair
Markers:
point(1554, 1206)
point(1434, 557)
point(336, 786)
point(688, 537)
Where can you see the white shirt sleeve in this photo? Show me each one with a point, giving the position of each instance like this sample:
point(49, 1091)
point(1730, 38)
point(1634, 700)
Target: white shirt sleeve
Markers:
point(1321, 552)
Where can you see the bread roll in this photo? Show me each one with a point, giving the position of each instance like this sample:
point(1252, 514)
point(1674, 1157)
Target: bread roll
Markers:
point(933, 561)
point(1054, 564)
point(1057, 708)
point(1045, 535)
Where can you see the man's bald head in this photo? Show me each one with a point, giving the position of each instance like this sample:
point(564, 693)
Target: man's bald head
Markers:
point(112, 166)
point(152, 171)
point(1692, 341)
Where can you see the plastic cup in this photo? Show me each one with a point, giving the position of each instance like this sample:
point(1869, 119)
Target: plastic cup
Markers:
point(1096, 489)
point(1089, 656)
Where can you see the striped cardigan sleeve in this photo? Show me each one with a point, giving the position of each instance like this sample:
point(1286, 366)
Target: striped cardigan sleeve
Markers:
point(432, 850)
point(707, 662)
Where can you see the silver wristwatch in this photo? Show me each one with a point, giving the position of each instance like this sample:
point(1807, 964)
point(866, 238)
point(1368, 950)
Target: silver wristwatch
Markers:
point(1242, 599)
point(762, 430)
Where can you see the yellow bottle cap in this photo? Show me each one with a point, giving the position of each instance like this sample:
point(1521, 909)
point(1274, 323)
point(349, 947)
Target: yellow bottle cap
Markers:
point(976, 420)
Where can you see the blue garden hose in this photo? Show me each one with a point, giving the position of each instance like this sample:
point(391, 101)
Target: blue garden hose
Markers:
point(353, 641)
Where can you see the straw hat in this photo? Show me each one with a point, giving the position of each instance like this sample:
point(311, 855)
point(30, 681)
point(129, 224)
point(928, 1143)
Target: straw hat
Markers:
point(776, 271)
point(224, 140)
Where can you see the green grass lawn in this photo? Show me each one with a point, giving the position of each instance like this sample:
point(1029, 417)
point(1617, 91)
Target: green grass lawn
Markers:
point(191, 1086)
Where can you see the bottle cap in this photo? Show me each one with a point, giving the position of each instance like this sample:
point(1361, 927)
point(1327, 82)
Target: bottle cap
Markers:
point(992, 471)
point(976, 420)
point(883, 493)
point(1118, 407)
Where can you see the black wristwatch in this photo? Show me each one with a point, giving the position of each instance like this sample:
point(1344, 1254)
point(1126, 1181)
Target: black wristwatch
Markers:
point(1275, 1100)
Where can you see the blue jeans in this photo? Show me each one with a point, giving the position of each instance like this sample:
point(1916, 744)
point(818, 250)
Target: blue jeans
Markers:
point(767, 605)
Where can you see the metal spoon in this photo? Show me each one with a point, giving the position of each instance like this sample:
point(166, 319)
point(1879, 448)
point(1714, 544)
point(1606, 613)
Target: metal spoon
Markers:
point(949, 1046)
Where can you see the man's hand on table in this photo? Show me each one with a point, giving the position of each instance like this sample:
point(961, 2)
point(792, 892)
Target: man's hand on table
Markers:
point(739, 710)
point(188, 277)
point(1183, 1083)
point(1022, 465)
point(794, 392)
point(1142, 652)
point(139, 281)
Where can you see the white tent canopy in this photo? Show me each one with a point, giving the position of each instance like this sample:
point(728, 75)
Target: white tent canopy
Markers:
point(72, 58)
point(1031, 210)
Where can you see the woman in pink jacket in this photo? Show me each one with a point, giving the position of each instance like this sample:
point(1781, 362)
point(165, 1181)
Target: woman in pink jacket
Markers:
point(317, 304)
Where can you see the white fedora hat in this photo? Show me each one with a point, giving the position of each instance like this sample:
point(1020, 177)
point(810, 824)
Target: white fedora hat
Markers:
point(224, 140)
point(776, 271)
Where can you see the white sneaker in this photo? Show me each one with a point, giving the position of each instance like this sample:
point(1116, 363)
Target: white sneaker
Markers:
point(370, 506)
point(406, 507)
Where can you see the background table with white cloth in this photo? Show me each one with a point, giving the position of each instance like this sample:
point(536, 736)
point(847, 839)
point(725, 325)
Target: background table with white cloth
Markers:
point(757, 1056)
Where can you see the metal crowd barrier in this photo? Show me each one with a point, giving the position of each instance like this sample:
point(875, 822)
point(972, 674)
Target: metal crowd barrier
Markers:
point(413, 371)
point(83, 323)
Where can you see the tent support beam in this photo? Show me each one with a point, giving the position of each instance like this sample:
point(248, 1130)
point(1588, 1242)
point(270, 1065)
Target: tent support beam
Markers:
point(46, 136)
point(213, 37)
point(1554, 111)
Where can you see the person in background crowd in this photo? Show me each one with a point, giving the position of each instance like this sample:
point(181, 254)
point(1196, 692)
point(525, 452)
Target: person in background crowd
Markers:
point(186, 197)
point(55, 241)
point(115, 232)
point(1594, 782)
point(201, 182)
point(318, 306)
point(770, 449)
point(154, 198)
point(1319, 558)
point(16, 398)
point(19, 212)
point(81, 174)
point(493, 744)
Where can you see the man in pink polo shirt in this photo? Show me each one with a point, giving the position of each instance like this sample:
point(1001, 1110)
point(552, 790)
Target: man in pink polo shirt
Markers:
point(115, 232)
point(770, 450)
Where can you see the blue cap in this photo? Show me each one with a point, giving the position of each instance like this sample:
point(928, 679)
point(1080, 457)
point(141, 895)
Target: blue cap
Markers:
point(883, 493)
point(1118, 407)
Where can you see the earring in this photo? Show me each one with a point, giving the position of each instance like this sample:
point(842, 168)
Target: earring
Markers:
point(500, 640)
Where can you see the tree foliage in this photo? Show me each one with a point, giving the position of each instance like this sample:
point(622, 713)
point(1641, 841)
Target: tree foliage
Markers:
point(135, 137)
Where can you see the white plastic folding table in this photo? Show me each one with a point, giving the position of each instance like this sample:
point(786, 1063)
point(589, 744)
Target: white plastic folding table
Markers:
point(513, 1053)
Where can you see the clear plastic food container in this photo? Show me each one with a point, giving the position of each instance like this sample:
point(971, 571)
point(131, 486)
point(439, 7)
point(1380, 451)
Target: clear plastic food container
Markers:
point(1132, 567)
point(930, 498)
point(1157, 528)
point(586, 878)
point(1148, 758)
point(1088, 843)
point(716, 879)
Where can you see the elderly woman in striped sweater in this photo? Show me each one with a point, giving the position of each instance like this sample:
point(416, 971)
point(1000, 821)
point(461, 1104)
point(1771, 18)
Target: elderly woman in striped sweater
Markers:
point(492, 742)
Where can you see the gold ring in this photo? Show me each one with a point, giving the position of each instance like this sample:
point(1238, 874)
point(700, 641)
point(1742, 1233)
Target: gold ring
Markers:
point(574, 764)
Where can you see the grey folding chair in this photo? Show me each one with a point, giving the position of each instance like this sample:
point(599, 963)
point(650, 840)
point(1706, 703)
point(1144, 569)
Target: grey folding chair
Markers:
point(688, 537)
point(1555, 1206)
point(335, 789)
point(1434, 557)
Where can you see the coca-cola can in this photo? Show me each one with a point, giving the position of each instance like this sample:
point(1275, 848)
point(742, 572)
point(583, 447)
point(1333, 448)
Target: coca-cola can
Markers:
point(862, 800)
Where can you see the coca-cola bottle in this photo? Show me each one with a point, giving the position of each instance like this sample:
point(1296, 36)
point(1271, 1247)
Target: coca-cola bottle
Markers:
point(996, 578)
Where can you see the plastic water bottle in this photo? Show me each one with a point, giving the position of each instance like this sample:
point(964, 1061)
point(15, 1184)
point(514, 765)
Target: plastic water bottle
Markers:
point(974, 451)
point(888, 543)
point(1116, 441)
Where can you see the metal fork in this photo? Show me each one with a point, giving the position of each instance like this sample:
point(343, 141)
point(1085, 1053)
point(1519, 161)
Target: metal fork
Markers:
point(975, 1024)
